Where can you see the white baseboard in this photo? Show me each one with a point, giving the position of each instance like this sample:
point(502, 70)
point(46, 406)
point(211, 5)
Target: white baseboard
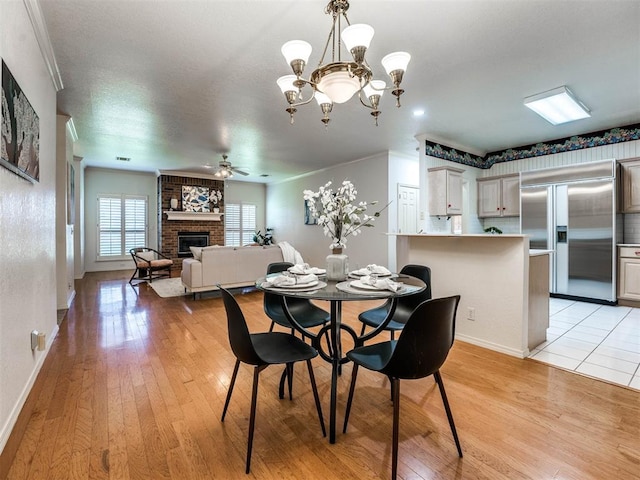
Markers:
point(5, 432)
point(493, 346)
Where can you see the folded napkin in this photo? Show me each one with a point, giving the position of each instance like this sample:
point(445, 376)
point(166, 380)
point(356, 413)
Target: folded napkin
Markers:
point(373, 268)
point(286, 281)
point(305, 269)
point(381, 283)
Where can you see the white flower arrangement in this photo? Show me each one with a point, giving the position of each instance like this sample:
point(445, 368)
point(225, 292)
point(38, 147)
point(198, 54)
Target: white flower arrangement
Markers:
point(215, 196)
point(337, 212)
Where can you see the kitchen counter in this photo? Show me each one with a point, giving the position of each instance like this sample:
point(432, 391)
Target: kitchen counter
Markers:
point(504, 286)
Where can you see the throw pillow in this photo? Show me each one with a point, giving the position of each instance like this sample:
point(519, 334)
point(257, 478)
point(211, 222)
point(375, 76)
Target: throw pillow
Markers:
point(148, 256)
point(197, 252)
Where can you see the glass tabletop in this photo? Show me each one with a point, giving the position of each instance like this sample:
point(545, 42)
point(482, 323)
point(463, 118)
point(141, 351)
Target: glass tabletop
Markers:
point(343, 291)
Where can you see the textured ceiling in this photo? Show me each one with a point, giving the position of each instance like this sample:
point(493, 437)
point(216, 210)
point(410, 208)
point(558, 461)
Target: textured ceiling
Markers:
point(174, 84)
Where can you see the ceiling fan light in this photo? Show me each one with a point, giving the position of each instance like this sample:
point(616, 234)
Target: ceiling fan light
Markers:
point(339, 86)
point(296, 50)
point(374, 87)
point(396, 61)
point(357, 35)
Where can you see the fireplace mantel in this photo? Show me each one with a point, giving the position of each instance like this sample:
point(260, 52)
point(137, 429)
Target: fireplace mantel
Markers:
point(197, 216)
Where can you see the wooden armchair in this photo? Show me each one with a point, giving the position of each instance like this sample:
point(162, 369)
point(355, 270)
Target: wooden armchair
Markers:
point(150, 264)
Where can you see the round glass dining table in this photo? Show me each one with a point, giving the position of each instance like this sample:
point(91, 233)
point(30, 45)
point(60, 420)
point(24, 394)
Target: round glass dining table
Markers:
point(335, 293)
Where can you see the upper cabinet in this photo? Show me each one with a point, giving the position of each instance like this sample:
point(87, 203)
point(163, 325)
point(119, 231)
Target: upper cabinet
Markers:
point(499, 196)
point(630, 192)
point(445, 191)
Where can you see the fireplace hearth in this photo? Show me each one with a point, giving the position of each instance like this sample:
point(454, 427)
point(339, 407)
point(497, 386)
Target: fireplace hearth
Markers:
point(191, 239)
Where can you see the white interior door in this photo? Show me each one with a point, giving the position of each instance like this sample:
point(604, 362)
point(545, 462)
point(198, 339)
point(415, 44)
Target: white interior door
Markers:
point(408, 196)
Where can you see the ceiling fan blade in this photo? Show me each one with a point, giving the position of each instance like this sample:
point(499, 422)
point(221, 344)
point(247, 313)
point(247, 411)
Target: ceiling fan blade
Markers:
point(235, 170)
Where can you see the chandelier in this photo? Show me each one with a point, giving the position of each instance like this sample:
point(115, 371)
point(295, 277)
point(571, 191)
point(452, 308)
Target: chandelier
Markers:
point(338, 80)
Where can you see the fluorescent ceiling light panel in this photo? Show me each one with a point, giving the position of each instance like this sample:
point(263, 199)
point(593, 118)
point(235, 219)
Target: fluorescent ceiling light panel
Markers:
point(557, 106)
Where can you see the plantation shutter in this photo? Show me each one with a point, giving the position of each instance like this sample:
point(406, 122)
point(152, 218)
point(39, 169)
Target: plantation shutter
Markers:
point(122, 225)
point(248, 223)
point(109, 226)
point(239, 223)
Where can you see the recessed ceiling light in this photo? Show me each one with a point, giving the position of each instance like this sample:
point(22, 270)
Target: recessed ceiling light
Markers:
point(557, 106)
point(418, 112)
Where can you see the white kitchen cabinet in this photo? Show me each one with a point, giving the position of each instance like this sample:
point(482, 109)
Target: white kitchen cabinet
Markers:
point(629, 273)
point(499, 196)
point(630, 197)
point(445, 191)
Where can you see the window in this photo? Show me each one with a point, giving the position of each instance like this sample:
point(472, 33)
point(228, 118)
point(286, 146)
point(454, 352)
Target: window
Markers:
point(239, 223)
point(122, 225)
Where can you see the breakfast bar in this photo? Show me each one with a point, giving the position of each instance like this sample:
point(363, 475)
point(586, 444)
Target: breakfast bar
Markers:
point(504, 286)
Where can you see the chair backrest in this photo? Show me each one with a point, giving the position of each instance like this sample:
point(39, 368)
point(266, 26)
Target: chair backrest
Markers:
point(406, 305)
point(273, 302)
point(239, 337)
point(425, 340)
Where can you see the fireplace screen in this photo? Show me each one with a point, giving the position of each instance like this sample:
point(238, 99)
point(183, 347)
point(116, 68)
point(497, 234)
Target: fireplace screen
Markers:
point(191, 239)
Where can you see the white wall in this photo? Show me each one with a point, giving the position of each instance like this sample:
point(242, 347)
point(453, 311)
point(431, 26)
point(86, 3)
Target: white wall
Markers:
point(402, 170)
point(27, 227)
point(79, 229)
point(104, 181)
point(248, 192)
point(64, 231)
point(285, 212)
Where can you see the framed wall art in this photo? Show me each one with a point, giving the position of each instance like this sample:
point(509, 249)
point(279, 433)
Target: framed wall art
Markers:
point(20, 142)
point(195, 199)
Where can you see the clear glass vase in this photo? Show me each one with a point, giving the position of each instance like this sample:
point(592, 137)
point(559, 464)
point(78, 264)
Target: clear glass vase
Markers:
point(337, 263)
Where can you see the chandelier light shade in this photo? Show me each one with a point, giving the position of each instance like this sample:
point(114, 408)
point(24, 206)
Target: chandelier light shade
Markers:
point(557, 106)
point(337, 80)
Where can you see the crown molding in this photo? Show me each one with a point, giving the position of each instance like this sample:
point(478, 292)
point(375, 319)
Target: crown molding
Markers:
point(44, 42)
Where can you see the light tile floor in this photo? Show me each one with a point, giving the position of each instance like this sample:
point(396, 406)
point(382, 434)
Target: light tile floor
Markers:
point(597, 340)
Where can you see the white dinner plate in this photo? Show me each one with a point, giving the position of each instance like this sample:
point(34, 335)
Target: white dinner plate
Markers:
point(297, 286)
point(354, 274)
point(364, 286)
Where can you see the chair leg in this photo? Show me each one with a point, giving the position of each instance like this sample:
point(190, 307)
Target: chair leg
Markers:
point(283, 379)
point(364, 326)
point(252, 418)
point(448, 410)
point(273, 324)
point(290, 379)
point(233, 382)
point(312, 377)
point(395, 388)
point(354, 375)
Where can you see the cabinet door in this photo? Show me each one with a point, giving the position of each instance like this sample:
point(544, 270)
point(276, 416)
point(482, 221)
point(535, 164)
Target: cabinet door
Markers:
point(511, 196)
point(489, 198)
point(631, 187)
point(629, 287)
point(454, 193)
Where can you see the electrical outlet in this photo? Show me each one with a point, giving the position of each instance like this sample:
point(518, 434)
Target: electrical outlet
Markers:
point(471, 313)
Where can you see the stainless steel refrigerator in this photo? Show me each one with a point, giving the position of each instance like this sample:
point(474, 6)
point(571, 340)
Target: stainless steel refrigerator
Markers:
point(571, 210)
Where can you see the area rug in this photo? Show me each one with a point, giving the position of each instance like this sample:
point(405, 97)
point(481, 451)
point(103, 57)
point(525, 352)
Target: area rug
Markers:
point(168, 287)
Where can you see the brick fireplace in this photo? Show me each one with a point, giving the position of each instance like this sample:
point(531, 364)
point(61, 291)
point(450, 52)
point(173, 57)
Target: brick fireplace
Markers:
point(169, 187)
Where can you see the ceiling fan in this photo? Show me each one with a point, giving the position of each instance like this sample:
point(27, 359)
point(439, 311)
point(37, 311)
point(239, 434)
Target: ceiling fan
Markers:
point(226, 170)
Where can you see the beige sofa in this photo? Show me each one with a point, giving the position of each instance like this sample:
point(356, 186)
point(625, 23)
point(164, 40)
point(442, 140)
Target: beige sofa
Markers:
point(228, 266)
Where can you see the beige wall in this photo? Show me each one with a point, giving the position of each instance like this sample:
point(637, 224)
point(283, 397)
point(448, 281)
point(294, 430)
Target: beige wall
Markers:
point(104, 181)
point(27, 226)
point(285, 212)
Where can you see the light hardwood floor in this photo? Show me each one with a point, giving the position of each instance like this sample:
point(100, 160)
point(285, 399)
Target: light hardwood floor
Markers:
point(134, 387)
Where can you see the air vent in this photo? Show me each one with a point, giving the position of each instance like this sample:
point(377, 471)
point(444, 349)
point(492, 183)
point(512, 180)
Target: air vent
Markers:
point(123, 159)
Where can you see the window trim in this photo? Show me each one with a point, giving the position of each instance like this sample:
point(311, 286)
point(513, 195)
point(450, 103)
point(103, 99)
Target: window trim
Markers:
point(241, 230)
point(124, 252)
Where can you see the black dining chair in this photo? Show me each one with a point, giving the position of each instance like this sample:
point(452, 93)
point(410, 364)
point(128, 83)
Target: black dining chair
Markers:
point(262, 350)
point(420, 351)
point(405, 305)
point(307, 314)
